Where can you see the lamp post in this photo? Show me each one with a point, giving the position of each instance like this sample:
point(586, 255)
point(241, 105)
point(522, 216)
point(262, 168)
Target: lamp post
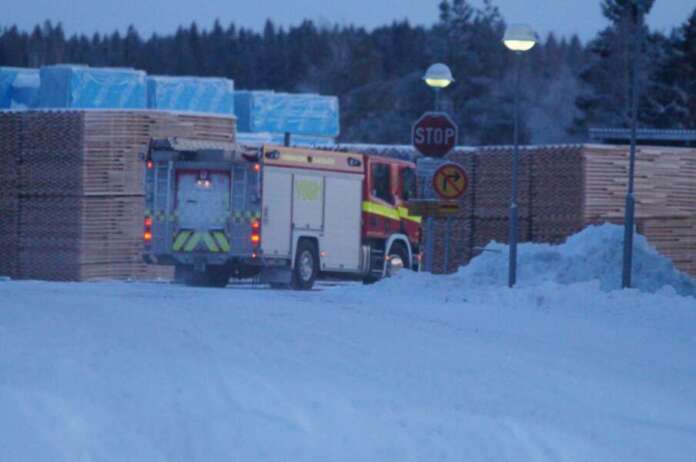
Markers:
point(518, 38)
point(437, 77)
point(629, 220)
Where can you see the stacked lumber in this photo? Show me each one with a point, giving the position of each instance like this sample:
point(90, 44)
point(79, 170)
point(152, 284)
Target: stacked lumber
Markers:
point(209, 127)
point(493, 183)
point(9, 200)
point(665, 181)
point(673, 237)
point(557, 193)
point(562, 189)
point(79, 213)
point(78, 238)
point(487, 230)
point(665, 191)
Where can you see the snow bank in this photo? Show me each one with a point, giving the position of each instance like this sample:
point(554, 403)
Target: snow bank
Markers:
point(596, 253)
point(593, 255)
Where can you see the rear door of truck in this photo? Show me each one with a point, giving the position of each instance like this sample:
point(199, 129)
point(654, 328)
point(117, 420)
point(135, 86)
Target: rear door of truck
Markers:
point(203, 207)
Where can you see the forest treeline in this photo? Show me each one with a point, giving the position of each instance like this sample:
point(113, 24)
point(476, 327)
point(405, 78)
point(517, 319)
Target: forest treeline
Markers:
point(567, 86)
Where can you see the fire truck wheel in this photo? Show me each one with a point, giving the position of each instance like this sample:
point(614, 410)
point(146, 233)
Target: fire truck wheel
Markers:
point(399, 250)
point(306, 266)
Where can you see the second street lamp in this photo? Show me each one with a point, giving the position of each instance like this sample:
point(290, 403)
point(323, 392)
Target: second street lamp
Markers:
point(438, 76)
point(518, 38)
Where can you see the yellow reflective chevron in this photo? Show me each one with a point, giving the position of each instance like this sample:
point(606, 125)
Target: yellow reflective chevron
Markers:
point(193, 242)
point(209, 241)
point(381, 210)
point(180, 240)
point(403, 213)
point(222, 240)
point(188, 241)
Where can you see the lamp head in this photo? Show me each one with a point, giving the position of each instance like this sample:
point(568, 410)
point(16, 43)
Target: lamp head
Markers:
point(519, 37)
point(438, 76)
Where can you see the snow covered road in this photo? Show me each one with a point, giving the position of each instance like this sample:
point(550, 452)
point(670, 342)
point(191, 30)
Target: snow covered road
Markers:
point(411, 369)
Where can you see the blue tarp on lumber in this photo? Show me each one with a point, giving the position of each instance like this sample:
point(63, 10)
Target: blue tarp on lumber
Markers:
point(90, 87)
point(302, 114)
point(196, 94)
point(19, 87)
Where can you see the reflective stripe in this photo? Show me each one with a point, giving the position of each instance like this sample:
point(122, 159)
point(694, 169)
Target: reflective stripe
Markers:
point(193, 242)
point(403, 213)
point(181, 239)
point(381, 210)
point(222, 240)
point(209, 241)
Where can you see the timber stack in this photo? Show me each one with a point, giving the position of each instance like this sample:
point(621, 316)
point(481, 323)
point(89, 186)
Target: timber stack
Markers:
point(77, 190)
point(566, 188)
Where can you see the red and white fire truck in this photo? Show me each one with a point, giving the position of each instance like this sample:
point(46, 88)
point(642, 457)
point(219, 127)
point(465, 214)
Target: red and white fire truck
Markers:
point(287, 215)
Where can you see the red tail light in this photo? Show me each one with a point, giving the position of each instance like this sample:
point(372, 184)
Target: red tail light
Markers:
point(147, 234)
point(150, 164)
point(255, 232)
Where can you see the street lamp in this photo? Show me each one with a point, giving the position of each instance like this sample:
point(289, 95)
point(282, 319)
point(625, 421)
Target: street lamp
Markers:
point(438, 76)
point(637, 12)
point(518, 38)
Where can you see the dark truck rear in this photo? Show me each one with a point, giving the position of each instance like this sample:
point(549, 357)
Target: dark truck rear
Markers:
point(203, 210)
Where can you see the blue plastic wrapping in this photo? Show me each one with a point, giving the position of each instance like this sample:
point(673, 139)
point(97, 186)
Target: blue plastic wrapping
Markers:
point(90, 87)
point(258, 138)
point(302, 114)
point(197, 94)
point(19, 87)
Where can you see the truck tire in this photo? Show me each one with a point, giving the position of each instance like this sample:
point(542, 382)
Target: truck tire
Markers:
point(398, 249)
point(306, 266)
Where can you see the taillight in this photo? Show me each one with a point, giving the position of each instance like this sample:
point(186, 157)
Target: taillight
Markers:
point(147, 234)
point(255, 232)
point(257, 168)
point(150, 164)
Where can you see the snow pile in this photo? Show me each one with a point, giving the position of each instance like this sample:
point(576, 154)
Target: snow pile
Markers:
point(596, 253)
point(593, 256)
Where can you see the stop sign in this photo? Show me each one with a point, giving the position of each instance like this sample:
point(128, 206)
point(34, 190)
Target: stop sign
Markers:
point(434, 134)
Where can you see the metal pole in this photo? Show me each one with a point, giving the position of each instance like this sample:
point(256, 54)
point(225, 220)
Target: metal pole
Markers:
point(437, 99)
point(629, 219)
point(512, 234)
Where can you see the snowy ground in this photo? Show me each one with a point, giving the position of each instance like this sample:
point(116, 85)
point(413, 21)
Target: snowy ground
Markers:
point(415, 368)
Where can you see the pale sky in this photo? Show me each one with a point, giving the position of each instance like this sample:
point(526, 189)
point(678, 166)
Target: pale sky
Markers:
point(163, 16)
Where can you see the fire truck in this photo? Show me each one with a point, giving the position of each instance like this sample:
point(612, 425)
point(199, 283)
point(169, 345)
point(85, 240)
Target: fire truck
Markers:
point(285, 215)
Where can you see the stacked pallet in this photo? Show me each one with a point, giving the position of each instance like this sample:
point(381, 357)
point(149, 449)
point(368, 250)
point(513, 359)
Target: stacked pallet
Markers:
point(80, 188)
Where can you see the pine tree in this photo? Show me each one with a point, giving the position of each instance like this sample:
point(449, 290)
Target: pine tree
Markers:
point(606, 97)
point(674, 87)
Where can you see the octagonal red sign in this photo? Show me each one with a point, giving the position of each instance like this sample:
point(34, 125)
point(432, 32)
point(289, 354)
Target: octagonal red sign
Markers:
point(434, 134)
